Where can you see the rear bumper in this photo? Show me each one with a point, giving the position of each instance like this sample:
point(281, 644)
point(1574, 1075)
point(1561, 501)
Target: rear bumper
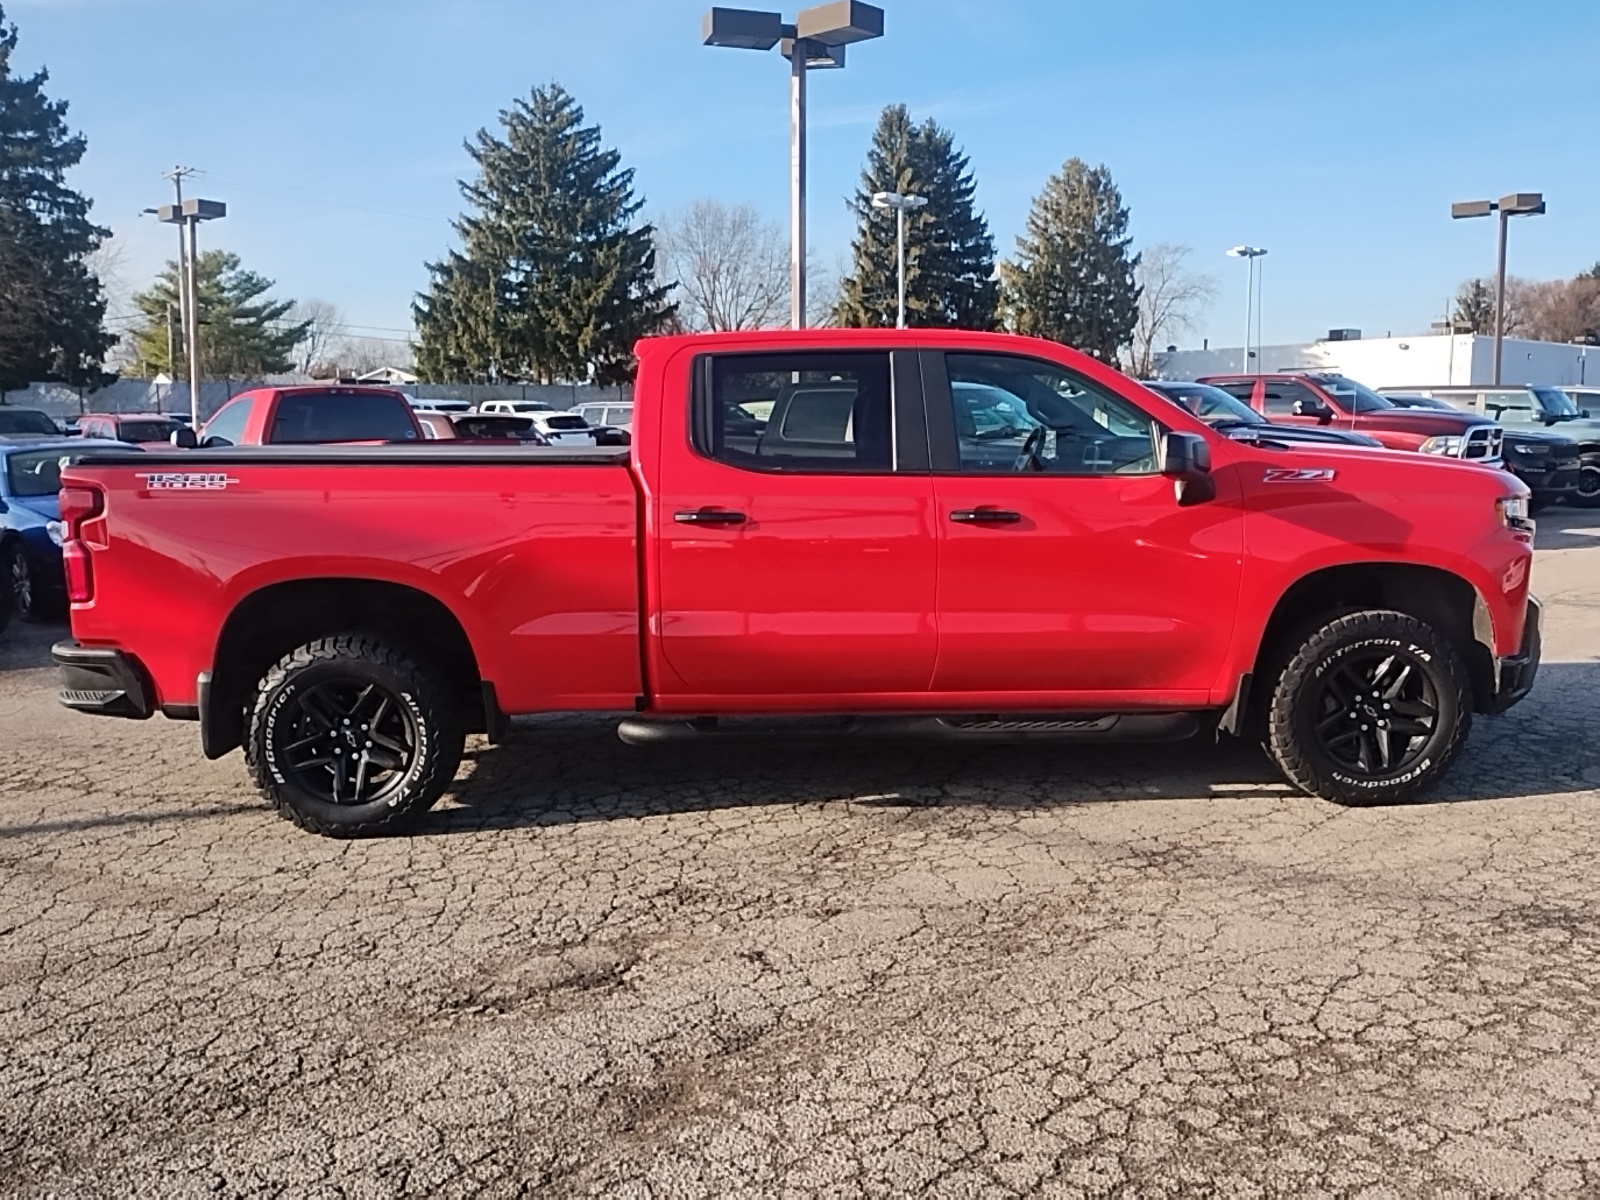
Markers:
point(1514, 676)
point(106, 682)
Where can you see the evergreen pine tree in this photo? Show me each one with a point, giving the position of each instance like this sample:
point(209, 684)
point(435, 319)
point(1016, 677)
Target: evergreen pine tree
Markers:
point(553, 280)
point(1474, 311)
point(1073, 278)
point(243, 332)
point(949, 250)
point(51, 303)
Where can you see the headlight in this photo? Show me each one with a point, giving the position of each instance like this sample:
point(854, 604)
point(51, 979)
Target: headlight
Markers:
point(1446, 445)
point(1513, 512)
point(55, 531)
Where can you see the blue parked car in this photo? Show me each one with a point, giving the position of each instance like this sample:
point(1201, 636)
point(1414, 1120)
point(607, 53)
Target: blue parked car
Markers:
point(30, 520)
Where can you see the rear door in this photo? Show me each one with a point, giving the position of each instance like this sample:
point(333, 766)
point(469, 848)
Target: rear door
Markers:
point(1068, 575)
point(797, 577)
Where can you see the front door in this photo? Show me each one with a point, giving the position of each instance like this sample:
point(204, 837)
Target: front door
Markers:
point(1291, 402)
point(797, 538)
point(1069, 574)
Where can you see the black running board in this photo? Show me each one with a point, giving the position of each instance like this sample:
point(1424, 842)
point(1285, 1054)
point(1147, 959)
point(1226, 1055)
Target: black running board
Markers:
point(1003, 728)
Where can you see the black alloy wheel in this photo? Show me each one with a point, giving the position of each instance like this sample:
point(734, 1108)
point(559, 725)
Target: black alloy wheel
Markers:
point(347, 743)
point(1376, 712)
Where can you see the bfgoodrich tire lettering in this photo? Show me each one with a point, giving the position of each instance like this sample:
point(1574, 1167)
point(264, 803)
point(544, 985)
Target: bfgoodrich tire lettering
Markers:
point(1373, 708)
point(349, 737)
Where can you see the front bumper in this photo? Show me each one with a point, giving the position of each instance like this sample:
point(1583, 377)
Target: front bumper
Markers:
point(1548, 481)
point(1514, 676)
point(102, 681)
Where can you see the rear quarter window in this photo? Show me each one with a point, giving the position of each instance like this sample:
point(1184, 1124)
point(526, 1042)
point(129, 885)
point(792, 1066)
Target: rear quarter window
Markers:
point(310, 418)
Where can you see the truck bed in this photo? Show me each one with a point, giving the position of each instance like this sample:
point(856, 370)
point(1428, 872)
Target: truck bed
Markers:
point(533, 551)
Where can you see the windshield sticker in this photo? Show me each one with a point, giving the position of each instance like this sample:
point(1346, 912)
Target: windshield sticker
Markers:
point(1299, 475)
point(187, 482)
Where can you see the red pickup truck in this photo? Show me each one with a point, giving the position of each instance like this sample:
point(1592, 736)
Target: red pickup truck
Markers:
point(953, 534)
point(1338, 402)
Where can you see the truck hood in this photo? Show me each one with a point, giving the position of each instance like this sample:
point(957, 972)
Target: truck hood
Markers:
point(1579, 429)
point(1427, 422)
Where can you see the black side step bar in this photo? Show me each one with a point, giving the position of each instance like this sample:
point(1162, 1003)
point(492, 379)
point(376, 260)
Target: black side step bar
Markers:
point(1002, 728)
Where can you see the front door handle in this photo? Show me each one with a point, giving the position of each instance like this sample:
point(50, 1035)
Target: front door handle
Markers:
point(985, 516)
point(710, 516)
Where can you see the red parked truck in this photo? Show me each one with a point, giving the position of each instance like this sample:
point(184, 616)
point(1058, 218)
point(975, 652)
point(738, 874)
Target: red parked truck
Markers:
point(955, 534)
point(1338, 402)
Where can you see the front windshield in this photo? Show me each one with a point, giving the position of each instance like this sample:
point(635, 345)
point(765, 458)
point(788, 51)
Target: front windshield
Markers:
point(1212, 405)
point(1555, 402)
point(37, 473)
point(1356, 397)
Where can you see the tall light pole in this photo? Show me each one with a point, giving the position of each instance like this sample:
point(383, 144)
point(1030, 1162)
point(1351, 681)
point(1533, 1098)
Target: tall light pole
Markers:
point(900, 205)
point(191, 213)
point(1249, 254)
point(816, 40)
point(1518, 204)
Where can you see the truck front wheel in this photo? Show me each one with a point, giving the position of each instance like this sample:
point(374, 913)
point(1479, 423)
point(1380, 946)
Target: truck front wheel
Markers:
point(1372, 709)
point(348, 737)
point(1588, 493)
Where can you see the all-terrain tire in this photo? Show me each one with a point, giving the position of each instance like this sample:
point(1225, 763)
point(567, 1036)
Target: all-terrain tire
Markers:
point(346, 664)
point(1302, 698)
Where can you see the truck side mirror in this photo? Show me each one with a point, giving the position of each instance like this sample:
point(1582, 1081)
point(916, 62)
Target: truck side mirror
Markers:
point(184, 438)
point(1186, 460)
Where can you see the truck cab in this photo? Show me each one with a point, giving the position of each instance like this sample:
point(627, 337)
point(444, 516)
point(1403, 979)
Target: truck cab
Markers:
point(307, 416)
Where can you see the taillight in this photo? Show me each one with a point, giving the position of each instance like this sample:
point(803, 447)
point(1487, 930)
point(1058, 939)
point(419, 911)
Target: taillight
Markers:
point(80, 574)
point(79, 505)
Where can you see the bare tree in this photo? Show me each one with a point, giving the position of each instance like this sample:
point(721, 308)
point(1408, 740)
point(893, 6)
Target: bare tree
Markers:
point(1564, 310)
point(1172, 300)
point(731, 266)
point(361, 356)
point(325, 327)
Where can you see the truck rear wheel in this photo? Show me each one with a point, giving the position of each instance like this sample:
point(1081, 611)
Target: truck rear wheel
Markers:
point(348, 737)
point(1372, 709)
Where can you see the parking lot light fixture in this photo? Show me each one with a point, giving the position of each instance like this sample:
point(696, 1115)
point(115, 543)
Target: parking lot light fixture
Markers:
point(191, 213)
point(1249, 254)
point(900, 205)
point(1517, 204)
point(815, 41)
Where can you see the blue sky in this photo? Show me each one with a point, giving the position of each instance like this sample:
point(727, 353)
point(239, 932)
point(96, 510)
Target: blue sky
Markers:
point(1334, 135)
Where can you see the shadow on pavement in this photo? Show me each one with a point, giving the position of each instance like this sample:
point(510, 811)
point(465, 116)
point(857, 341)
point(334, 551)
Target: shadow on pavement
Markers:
point(1563, 528)
point(25, 646)
point(567, 771)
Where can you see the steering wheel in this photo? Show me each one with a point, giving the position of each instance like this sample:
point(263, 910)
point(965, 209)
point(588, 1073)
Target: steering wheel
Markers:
point(1028, 458)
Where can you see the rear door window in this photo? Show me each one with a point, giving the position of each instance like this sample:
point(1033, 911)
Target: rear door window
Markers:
point(310, 418)
point(805, 411)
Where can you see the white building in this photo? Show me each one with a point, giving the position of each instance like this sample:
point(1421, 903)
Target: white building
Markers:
point(1433, 359)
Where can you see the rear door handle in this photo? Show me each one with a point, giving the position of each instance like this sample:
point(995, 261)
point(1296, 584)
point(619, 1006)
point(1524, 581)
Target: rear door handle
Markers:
point(710, 516)
point(985, 516)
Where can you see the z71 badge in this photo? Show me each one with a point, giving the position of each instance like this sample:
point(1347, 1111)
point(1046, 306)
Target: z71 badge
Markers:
point(187, 482)
point(1299, 475)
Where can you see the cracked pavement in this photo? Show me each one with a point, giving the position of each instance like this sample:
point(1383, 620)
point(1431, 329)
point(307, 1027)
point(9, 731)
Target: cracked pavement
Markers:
point(807, 969)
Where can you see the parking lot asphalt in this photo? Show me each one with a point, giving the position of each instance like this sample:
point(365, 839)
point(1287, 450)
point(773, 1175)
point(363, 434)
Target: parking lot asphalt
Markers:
point(807, 969)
